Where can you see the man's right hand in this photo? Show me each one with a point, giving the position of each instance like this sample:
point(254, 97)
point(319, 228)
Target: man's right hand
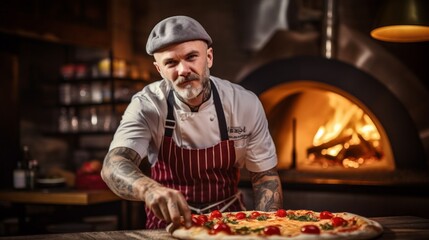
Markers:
point(123, 176)
point(169, 205)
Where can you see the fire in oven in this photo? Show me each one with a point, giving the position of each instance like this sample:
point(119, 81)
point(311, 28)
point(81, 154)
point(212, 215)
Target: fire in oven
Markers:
point(326, 115)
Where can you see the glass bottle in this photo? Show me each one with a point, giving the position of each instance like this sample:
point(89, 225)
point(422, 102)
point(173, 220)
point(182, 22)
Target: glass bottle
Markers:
point(94, 119)
point(30, 169)
point(19, 176)
point(63, 121)
point(32, 173)
point(84, 93)
point(97, 92)
point(74, 121)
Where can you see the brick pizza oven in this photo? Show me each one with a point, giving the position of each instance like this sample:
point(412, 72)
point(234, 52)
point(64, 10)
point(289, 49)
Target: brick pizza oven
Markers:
point(345, 140)
point(351, 130)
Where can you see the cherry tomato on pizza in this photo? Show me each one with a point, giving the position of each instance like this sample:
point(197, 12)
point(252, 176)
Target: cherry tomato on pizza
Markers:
point(215, 214)
point(203, 218)
point(310, 229)
point(255, 214)
point(240, 215)
point(281, 213)
point(220, 227)
point(272, 230)
point(338, 221)
point(326, 215)
point(196, 220)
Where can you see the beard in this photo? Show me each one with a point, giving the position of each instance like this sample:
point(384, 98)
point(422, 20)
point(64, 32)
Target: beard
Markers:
point(189, 91)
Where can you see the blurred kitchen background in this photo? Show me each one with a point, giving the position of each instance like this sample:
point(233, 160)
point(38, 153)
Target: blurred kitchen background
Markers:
point(349, 113)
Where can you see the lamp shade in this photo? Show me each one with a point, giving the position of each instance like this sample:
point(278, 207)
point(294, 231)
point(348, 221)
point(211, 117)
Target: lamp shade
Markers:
point(403, 21)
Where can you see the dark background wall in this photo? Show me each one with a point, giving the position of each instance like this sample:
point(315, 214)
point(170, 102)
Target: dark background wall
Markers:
point(226, 21)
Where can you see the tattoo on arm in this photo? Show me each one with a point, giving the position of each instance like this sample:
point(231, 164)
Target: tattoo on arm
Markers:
point(267, 190)
point(121, 172)
point(124, 152)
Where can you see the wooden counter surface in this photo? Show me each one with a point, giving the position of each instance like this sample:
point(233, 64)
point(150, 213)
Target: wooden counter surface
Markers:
point(58, 196)
point(62, 197)
point(398, 227)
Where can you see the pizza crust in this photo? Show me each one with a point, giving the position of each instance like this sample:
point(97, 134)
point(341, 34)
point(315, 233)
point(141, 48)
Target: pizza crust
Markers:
point(370, 229)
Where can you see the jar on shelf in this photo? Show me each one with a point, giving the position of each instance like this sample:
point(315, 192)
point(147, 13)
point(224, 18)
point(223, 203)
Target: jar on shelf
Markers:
point(95, 122)
point(84, 93)
point(97, 92)
point(120, 68)
point(74, 120)
point(67, 71)
point(66, 93)
point(80, 71)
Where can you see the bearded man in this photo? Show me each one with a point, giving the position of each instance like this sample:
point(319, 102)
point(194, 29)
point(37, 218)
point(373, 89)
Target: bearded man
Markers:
point(196, 131)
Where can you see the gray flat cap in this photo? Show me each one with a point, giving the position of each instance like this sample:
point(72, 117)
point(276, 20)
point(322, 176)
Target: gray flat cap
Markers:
point(175, 29)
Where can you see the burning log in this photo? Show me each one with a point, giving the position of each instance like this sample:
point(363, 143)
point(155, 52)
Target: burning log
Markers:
point(318, 149)
point(358, 152)
point(362, 150)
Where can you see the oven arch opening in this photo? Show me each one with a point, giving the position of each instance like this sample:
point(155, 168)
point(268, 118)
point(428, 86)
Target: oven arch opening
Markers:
point(328, 129)
point(407, 147)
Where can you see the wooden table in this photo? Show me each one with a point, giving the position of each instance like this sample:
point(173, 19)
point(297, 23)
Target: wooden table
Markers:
point(59, 196)
point(63, 196)
point(398, 227)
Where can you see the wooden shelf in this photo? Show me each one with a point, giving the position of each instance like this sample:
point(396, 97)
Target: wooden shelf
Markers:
point(102, 79)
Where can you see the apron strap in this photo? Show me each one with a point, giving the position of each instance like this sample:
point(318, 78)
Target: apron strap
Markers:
point(170, 122)
point(220, 114)
point(229, 201)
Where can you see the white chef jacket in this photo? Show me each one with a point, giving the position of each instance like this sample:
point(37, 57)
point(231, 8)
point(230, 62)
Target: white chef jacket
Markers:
point(143, 123)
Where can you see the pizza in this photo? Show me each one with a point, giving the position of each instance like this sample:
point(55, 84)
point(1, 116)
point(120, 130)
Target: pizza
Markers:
point(282, 224)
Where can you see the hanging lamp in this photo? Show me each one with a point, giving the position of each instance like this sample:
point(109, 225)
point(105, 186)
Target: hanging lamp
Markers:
point(402, 21)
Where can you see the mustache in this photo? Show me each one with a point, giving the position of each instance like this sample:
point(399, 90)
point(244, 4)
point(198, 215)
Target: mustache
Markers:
point(188, 78)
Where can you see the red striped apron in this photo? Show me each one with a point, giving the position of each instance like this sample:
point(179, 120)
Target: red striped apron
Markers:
point(203, 176)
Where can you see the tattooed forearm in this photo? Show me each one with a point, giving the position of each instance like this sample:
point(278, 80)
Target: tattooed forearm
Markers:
point(126, 153)
point(122, 174)
point(267, 190)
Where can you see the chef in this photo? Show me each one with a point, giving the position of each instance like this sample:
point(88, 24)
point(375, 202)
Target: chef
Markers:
point(196, 131)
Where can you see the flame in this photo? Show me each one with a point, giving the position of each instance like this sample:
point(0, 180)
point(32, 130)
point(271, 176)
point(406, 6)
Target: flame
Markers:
point(348, 127)
point(347, 119)
point(333, 151)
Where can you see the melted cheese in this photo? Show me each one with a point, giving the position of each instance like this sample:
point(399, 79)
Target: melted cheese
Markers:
point(288, 227)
